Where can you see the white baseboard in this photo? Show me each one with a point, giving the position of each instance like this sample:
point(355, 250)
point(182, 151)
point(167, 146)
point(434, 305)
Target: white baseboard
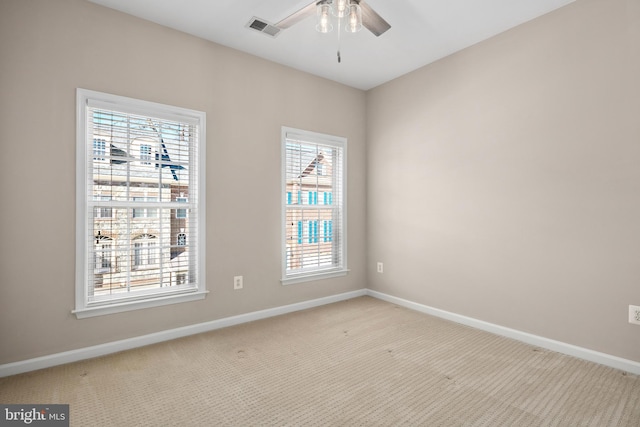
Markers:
point(131, 343)
point(558, 346)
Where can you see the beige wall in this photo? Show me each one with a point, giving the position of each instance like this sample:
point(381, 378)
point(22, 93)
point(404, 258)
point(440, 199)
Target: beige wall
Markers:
point(504, 181)
point(501, 182)
point(47, 50)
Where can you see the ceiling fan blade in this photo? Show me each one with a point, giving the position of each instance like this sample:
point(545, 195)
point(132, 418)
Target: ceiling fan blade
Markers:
point(298, 16)
point(372, 21)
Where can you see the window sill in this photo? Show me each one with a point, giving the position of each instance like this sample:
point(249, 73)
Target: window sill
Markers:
point(120, 307)
point(314, 276)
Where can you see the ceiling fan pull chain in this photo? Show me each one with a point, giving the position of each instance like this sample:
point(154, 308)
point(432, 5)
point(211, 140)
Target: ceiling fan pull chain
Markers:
point(339, 34)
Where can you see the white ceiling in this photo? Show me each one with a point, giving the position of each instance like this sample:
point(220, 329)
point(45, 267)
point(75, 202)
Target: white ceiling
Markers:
point(422, 31)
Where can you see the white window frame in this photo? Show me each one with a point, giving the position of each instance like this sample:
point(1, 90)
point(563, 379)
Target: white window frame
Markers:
point(339, 241)
point(84, 307)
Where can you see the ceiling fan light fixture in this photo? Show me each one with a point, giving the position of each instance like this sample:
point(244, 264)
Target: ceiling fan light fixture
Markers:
point(323, 14)
point(354, 19)
point(341, 8)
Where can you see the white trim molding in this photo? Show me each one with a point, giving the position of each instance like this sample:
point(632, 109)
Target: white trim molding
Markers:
point(135, 342)
point(542, 342)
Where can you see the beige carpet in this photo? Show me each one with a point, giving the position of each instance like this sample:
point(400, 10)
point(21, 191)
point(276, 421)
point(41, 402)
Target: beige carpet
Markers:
point(361, 362)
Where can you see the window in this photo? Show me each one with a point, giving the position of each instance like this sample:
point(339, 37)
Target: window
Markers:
point(313, 231)
point(144, 252)
point(145, 154)
point(181, 278)
point(126, 209)
point(145, 212)
point(313, 197)
point(314, 234)
point(181, 213)
point(102, 254)
point(102, 212)
point(99, 149)
point(327, 230)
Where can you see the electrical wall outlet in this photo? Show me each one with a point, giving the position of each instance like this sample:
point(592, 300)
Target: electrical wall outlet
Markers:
point(237, 282)
point(380, 267)
point(634, 314)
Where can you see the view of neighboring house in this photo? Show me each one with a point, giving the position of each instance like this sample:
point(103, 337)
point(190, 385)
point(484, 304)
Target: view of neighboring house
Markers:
point(310, 213)
point(140, 243)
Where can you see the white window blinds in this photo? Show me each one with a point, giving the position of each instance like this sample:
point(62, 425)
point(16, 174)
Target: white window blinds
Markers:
point(313, 197)
point(140, 201)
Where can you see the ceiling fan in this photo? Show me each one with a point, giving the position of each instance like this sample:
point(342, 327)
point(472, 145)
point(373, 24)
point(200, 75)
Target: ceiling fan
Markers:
point(356, 12)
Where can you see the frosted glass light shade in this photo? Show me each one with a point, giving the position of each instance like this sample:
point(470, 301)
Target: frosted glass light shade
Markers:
point(323, 14)
point(354, 19)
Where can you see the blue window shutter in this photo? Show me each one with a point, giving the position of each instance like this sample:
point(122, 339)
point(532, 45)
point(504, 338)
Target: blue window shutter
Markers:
point(313, 231)
point(288, 197)
point(328, 198)
point(299, 231)
point(313, 197)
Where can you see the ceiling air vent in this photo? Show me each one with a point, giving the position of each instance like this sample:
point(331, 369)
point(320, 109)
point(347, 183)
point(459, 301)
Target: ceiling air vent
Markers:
point(263, 26)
